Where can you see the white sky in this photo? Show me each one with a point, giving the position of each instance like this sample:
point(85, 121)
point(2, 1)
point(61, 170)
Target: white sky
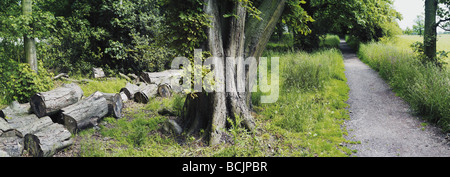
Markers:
point(409, 10)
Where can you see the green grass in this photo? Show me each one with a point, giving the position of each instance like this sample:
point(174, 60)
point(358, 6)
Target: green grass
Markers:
point(330, 41)
point(425, 87)
point(306, 120)
point(405, 41)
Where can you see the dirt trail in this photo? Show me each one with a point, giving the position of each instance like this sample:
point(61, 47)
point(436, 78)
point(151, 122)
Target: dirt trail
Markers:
point(383, 122)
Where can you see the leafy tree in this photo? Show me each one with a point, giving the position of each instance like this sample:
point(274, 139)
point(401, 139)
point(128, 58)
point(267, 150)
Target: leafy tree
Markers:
point(419, 25)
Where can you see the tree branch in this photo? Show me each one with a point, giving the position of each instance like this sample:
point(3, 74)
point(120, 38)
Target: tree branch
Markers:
point(441, 21)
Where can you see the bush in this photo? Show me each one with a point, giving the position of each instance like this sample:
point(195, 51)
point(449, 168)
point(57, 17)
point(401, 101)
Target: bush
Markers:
point(19, 82)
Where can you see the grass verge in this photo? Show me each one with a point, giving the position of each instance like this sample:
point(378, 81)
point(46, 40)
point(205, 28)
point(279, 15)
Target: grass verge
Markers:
point(425, 87)
point(306, 120)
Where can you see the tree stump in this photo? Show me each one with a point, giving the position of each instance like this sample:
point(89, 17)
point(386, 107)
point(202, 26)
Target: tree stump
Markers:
point(47, 141)
point(48, 103)
point(145, 93)
point(115, 104)
point(85, 113)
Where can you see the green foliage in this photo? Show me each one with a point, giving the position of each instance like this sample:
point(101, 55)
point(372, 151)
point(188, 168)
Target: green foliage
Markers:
point(19, 82)
point(424, 86)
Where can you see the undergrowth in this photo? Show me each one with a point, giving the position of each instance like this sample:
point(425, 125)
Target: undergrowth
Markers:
point(305, 121)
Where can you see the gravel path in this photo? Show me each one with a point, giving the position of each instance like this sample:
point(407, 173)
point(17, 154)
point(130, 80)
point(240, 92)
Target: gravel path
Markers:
point(383, 122)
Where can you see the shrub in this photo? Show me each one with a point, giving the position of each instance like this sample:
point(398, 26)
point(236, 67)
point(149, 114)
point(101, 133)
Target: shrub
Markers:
point(19, 82)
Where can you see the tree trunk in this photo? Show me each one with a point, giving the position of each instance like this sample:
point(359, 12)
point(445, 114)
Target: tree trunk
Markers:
point(48, 103)
point(86, 113)
point(115, 104)
point(429, 37)
point(29, 43)
point(229, 41)
point(15, 109)
point(145, 93)
point(47, 141)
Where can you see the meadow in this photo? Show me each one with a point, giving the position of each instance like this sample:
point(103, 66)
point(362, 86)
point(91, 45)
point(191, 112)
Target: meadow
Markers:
point(405, 41)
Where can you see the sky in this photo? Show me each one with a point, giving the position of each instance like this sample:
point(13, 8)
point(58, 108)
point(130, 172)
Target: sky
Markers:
point(409, 10)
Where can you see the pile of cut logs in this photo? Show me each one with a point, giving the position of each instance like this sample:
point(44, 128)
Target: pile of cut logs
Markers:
point(46, 124)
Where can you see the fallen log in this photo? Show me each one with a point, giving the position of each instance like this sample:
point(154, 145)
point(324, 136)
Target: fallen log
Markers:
point(34, 126)
point(145, 93)
point(5, 129)
point(15, 109)
point(124, 97)
point(130, 90)
point(165, 90)
point(47, 141)
point(60, 76)
point(161, 77)
point(11, 146)
point(115, 104)
point(85, 113)
point(125, 77)
point(48, 103)
point(98, 73)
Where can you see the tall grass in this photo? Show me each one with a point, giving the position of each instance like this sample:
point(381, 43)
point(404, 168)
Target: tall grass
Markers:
point(425, 87)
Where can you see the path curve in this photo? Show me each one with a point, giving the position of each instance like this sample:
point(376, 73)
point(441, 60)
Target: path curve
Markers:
point(383, 122)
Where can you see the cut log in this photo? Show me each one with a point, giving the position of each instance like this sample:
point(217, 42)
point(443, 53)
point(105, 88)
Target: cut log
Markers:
point(161, 77)
point(124, 97)
point(165, 90)
point(35, 126)
point(48, 103)
point(47, 141)
point(125, 77)
point(5, 129)
point(145, 93)
point(11, 146)
point(115, 104)
point(130, 90)
point(98, 73)
point(15, 109)
point(85, 113)
point(60, 76)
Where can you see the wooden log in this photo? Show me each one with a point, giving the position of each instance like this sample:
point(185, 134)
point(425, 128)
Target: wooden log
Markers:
point(15, 109)
point(35, 126)
point(125, 77)
point(5, 129)
point(164, 90)
point(160, 77)
point(60, 76)
point(98, 73)
point(85, 113)
point(11, 146)
point(115, 104)
point(145, 93)
point(130, 90)
point(47, 141)
point(48, 103)
point(124, 97)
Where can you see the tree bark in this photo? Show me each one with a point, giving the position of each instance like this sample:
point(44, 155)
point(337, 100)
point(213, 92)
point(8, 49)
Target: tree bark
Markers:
point(11, 146)
point(130, 90)
point(29, 43)
point(429, 37)
point(48, 103)
point(229, 41)
point(86, 113)
point(115, 104)
point(15, 109)
point(145, 93)
point(47, 141)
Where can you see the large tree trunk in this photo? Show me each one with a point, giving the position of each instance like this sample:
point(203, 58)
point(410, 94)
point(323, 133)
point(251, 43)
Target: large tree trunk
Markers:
point(227, 44)
point(48, 103)
point(429, 37)
point(29, 43)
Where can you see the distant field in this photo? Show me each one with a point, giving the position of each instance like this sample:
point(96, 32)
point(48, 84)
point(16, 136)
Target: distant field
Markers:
point(443, 42)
